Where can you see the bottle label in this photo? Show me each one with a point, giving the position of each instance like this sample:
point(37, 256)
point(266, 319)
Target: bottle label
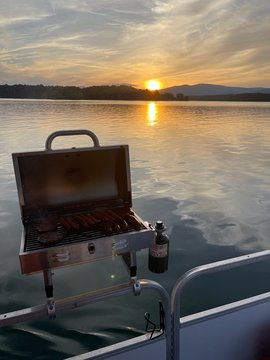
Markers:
point(159, 250)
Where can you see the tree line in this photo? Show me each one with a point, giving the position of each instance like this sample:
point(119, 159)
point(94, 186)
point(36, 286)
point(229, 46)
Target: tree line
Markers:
point(106, 92)
point(113, 92)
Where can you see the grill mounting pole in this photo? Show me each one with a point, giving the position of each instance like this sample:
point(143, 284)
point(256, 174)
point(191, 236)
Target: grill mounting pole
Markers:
point(47, 274)
point(133, 273)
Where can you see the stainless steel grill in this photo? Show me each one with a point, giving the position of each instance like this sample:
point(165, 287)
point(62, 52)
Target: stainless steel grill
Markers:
point(76, 205)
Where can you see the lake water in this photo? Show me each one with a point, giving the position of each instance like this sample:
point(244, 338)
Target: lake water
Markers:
point(201, 167)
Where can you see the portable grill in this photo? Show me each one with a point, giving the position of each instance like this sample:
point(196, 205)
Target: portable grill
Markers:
point(76, 206)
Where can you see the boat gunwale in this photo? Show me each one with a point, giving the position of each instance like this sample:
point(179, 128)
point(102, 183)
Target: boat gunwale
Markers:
point(223, 310)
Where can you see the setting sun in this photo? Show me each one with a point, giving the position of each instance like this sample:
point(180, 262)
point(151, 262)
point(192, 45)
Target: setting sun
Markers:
point(153, 85)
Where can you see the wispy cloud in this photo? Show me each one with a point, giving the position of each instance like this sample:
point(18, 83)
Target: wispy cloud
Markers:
point(100, 41)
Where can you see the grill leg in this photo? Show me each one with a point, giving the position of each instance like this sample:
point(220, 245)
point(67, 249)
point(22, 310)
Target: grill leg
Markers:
point(130, 261)
point(133, 265)
point(47, 274)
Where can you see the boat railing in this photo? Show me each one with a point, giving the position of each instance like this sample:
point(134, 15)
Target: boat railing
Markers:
point(171, 305)
point(69, 303)
point(199, 271)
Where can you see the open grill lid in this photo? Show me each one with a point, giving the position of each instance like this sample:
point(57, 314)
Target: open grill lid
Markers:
point(53, 179)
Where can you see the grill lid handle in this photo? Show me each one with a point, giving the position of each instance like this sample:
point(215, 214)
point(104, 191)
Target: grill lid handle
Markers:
point(52, 136)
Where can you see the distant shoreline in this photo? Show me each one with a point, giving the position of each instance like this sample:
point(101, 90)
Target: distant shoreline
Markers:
point(255, 97)
point(114, 92)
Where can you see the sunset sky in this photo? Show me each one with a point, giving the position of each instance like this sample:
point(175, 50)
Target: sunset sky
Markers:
point(97, 42)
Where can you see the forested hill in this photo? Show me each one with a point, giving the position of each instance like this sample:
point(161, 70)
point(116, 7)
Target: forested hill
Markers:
point(213, 89)
point(121, 92)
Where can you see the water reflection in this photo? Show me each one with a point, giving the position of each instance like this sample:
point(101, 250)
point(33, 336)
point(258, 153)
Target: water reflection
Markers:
point(152, 114)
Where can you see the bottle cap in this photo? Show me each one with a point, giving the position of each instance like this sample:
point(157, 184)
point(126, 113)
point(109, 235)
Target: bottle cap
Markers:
point(160, 225)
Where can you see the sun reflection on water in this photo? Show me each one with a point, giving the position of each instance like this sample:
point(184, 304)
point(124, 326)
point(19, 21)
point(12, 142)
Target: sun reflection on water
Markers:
point(152, 114)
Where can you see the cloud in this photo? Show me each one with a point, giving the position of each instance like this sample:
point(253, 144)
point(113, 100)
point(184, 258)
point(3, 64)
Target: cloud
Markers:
point(13, 11)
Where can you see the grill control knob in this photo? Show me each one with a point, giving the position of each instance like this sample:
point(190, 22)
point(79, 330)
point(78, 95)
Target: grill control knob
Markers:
point(91, 248)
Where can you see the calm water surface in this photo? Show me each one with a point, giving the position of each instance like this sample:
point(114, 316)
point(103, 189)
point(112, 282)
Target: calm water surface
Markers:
point(201, 167)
